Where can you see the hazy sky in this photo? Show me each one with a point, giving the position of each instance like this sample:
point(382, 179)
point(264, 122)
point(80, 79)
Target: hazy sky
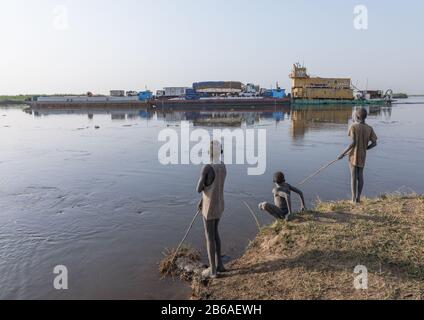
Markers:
point(96, 45)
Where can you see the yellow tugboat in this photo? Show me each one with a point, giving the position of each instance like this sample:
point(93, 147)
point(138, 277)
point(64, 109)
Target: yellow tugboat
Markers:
point(316, 90)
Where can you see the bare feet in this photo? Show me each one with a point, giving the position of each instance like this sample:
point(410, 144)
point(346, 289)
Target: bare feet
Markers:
point(221, 269)
point(207, 274)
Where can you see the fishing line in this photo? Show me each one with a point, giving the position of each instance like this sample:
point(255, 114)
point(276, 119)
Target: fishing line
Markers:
point(253, 214)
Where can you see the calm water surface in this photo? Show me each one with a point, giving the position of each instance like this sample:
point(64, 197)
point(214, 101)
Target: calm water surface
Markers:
point(100, 203)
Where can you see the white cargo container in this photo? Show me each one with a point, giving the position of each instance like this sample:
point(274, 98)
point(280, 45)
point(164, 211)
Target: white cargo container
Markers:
point(160, 93)
point(249, 90)
point(132, 93)
point(175, 91)
point(117, 93)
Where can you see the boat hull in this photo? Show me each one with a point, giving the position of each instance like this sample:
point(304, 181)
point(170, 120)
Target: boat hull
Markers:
point(230, 103)
point(344, 102)
point(89, 105)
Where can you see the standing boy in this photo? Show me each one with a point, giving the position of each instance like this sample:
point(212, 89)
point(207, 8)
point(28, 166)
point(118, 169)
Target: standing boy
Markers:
point(363, 139)
point(211, 185)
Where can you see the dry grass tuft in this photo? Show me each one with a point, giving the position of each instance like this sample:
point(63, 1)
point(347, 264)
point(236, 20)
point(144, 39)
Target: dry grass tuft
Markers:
point(168, 267)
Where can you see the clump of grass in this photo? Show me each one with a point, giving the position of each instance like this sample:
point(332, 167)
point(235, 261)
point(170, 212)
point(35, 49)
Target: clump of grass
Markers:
point(168, 266)
point(333, 206)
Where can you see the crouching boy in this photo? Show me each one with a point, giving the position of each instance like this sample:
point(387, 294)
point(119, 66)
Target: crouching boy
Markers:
point(282, 207)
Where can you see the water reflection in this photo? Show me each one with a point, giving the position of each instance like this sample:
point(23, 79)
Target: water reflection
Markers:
point(302, 119)
point(325, 117)
point(100, 202)
point(115, 114)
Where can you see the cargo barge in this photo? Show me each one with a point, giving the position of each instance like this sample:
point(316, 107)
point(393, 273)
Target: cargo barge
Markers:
point(220, 102)
point(157, 103)
point(89, 101)
point(305, 90)
point(230, 94)
point(88, 105)
point(355, 102)
point(203, 103)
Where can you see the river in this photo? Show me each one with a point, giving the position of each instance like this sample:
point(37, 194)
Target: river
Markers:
point(85, 189)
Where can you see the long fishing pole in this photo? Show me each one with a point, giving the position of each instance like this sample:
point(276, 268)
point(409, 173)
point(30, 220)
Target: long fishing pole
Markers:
point(317, 172)
point(185, 237)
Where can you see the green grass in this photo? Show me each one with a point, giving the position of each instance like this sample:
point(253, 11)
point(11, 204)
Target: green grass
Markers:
point(17, 98)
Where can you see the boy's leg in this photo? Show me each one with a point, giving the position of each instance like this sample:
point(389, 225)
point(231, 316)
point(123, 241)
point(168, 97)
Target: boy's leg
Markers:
point(211, 244)
point(273, 210)
point(218, 255)
point(354, 182)
point(360, 174)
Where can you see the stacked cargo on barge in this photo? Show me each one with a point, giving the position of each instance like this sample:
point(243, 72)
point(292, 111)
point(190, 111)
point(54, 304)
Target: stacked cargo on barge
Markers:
point(218, 87)
point(230, 94)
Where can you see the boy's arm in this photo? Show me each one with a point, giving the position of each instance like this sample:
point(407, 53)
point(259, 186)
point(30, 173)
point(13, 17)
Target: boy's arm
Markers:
point(288, 201)
point(372, 145)
point(373, 140)
point(348, 149)
point(206, 171)
point(351, 146)
point(302, 198)
point(201, 187)
point(202, 182)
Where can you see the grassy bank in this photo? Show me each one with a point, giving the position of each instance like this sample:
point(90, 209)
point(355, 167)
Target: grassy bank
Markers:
point(13, 100)
point(314, 256)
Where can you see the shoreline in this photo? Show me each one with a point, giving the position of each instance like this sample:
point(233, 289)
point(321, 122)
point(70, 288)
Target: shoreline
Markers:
point(314, 255)
point(6, 103)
